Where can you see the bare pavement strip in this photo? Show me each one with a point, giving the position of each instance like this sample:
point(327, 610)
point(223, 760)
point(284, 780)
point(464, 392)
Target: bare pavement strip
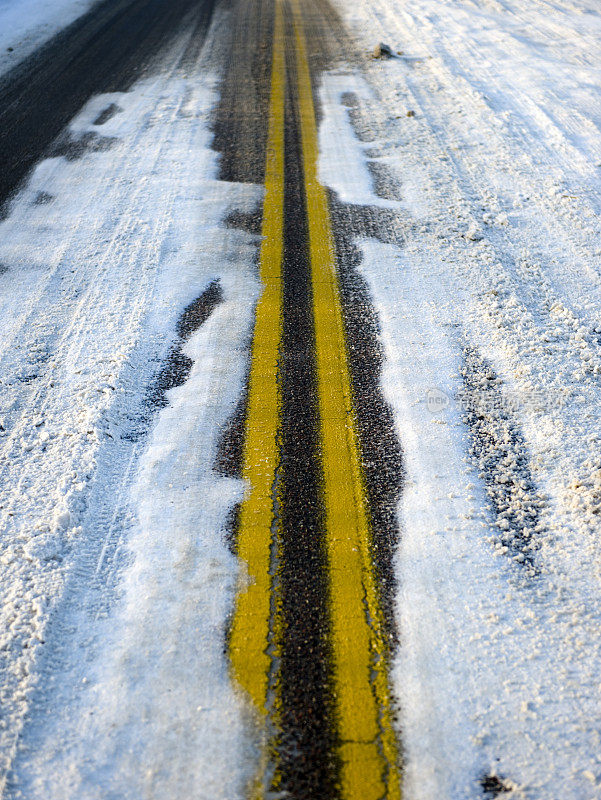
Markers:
point(365, 754)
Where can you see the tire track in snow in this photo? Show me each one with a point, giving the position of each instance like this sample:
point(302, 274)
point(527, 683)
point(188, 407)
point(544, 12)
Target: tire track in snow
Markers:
point(501, 454)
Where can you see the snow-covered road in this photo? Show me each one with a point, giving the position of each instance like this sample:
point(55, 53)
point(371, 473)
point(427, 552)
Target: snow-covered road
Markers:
point(27, 24)
point(465, 191)
point(490, 319)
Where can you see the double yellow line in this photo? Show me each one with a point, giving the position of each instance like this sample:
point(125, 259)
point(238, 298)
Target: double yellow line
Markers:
point(367, 742)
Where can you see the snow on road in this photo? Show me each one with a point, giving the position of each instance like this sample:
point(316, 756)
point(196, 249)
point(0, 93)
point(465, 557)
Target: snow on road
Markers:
point(489, 308)
point(488, 290)
point(117, 539)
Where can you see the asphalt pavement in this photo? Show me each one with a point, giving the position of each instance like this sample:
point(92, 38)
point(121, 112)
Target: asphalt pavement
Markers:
point(311, 633)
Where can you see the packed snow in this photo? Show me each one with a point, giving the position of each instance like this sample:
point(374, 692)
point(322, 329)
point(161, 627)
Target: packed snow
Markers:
point(114, 543)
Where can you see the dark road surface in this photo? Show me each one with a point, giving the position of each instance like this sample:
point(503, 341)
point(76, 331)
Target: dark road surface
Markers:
point(103, 51)
point(308, 753)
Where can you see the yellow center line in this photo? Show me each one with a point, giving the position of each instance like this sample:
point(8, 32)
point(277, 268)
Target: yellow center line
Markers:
point(368, 745)
point(250, 631)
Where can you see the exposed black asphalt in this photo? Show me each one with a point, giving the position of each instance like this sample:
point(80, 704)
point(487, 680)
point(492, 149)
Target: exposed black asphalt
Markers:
point(304, 748)
point(307, 753)
point(104, 51)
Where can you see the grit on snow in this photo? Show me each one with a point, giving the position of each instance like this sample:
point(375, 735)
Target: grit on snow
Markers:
point(113, 543)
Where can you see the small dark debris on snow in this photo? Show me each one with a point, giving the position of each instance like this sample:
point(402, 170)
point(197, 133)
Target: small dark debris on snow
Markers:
point(9, 49)
point(493, 786)
point(383, 51)
point(474, 234)
point(411, 113)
